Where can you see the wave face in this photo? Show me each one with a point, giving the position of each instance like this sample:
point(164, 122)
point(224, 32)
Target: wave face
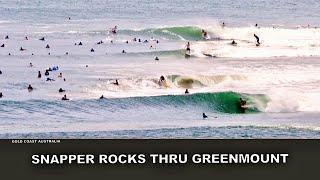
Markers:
point(183, 33)
point(278, 79)
point(170, 33)
point(220, 102)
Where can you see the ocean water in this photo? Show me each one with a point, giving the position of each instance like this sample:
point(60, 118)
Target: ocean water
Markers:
point(279, 79)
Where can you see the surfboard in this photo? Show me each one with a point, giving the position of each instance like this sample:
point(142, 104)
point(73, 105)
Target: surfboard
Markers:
point(209, 55)
point(207, 37)
point(187, 54)
point(163, 84)
point(245, 106)
point(166, 85)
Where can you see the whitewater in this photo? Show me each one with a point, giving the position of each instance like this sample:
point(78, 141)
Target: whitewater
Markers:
point(279, 79)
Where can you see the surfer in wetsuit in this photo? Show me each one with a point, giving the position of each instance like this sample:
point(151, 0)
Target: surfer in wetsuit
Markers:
point(116, 83)
point(162, 81)
point(204, 116)
point(233, 43)
point(1, 95)
point(46, 73)
point(50, 79)
point(61, 90)
point(187, 91)
point(204, 34)
point(188, 47)
point(114, 30)
point(242, 104)
point(64, 98)
point(257, 38)
point(30, 88)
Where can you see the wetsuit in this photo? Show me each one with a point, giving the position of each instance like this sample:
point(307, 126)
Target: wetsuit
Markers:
point(257, 38)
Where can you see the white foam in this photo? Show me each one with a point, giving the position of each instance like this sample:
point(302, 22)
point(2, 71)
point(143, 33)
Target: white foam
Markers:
point(275, 42)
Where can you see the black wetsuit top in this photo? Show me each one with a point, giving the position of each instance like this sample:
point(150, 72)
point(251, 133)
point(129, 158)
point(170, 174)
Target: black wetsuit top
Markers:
point(257, 38)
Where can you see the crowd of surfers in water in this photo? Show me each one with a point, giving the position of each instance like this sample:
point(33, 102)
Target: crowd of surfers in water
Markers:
point(162, 81)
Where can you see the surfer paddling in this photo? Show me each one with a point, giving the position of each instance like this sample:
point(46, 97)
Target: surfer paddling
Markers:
point(61, 90)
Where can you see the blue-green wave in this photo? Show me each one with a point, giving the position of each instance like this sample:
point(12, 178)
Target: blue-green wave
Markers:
point(175, 33)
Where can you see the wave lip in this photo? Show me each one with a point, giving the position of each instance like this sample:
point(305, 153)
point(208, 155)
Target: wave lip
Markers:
point(192, 33)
